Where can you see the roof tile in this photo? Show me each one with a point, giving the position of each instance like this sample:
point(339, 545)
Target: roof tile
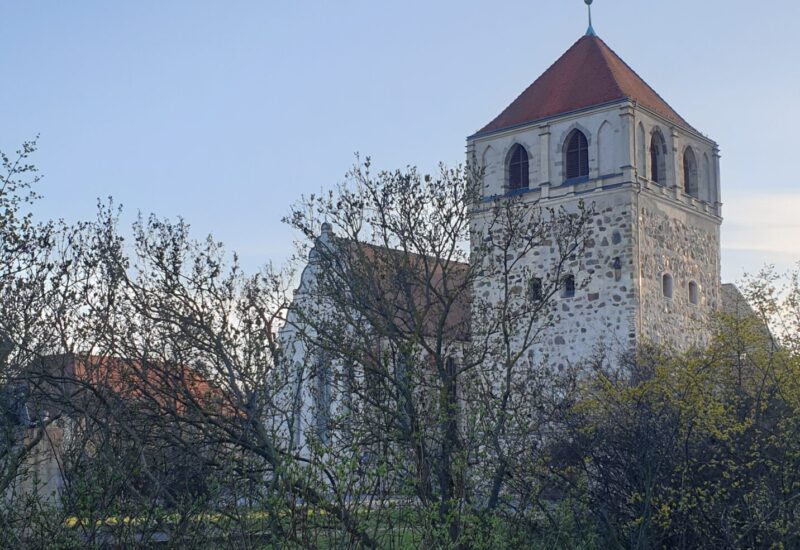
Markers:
point(587, 75)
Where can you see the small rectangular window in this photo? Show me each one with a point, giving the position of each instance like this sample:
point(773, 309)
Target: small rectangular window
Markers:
point(694, 293)
point(666, 285)
point(568, 287)
point(536, 290)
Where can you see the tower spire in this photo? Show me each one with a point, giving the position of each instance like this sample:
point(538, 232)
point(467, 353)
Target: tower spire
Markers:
point(590, 30)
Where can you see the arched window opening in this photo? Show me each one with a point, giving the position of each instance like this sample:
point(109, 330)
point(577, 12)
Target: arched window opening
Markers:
point(666, 285)
point(694, 293)
point(568, 286)
point(658, 154)
point(690, 173)
point(323, 398)
point(577, 155)
point(518, 169)
point(450, 368)
point(536, 290)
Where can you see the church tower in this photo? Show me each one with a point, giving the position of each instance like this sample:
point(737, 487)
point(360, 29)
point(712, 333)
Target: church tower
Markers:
point(591, 129)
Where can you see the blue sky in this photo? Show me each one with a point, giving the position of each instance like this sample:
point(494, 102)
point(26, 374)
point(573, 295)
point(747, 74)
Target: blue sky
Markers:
point(226, 112)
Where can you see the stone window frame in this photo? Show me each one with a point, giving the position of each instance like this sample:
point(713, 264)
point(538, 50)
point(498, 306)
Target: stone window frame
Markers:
point(708, 180)
point(642, 151)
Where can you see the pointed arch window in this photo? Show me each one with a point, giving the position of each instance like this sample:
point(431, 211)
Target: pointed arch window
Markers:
point(518, 169)
point(577, 155)
point(658, 154)
point(323, 398)
point(690, 173)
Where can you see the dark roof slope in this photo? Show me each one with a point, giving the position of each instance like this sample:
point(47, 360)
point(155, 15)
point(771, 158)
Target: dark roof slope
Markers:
point(734, 303)
point(414, 288)
point(169, 387)
point(588, 74)
point(399, 289)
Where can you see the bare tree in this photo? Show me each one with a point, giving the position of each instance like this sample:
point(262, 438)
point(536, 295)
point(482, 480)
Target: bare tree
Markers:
point(31, 263)
point(418, 324)
point(414, 342)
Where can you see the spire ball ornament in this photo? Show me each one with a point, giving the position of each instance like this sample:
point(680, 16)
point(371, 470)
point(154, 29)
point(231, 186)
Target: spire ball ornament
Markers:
point(590, 30)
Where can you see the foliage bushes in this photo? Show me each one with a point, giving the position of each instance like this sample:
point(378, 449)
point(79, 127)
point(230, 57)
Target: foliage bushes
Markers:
point(697, 450)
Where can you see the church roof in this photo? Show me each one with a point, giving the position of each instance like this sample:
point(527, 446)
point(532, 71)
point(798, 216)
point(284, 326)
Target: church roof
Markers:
point(588, 74)
point(409, 289)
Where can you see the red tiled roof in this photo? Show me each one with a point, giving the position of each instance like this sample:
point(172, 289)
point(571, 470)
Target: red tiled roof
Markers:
point(414, 297)
point(169, 387)
point(588, 74)
point(407, 289)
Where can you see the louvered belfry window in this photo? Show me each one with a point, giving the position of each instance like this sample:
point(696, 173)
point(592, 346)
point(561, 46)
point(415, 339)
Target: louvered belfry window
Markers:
point(518, 169)
point(690, 173)
point(658, 165)
point(577, 155)
point(654, 161)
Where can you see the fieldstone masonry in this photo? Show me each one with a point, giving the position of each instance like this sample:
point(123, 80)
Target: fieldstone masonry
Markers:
point(686, 246)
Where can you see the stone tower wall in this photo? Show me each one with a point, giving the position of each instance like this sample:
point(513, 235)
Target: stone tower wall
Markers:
point(684, 244)
point(640, 230)
point(601, 316)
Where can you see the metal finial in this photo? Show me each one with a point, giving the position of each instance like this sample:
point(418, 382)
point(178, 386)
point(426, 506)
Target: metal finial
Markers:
point(590, 30)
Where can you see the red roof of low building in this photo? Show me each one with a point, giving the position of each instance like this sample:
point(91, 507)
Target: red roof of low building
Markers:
point(170, 387)
point(587, 75)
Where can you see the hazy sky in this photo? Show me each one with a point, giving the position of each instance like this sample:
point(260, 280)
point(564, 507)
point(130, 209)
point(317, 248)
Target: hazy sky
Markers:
point(226, 112)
